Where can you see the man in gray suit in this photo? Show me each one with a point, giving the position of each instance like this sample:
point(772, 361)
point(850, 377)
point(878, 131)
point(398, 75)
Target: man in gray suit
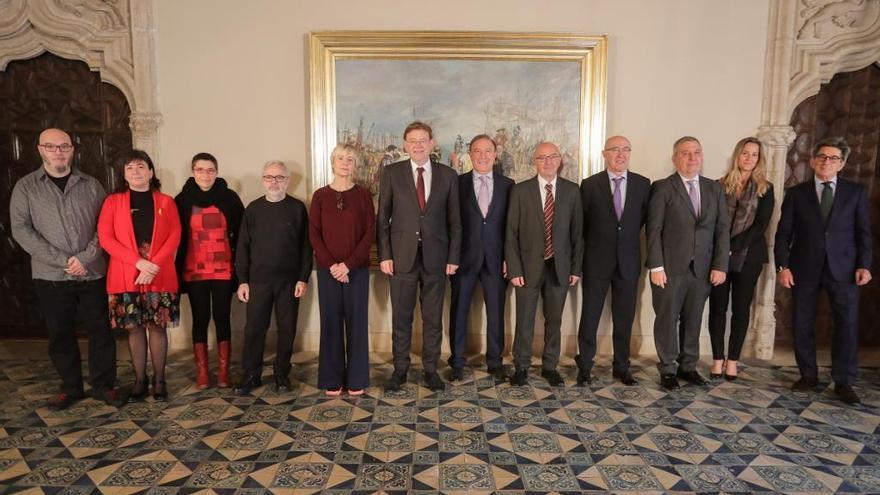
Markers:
point(544, 249)
point(688, 249)
point(418, 237)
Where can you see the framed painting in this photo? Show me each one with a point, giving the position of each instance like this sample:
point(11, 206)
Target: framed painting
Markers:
point(519, 88)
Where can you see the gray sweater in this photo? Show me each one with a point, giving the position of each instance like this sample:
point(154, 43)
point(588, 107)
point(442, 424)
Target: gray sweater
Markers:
point(52, 226)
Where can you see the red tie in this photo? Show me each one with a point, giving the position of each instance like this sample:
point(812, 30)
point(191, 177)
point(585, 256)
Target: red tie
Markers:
point(420, 188)
point(549, 208)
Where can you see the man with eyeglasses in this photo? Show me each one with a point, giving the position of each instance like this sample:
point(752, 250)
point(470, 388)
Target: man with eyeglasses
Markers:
point(544, 249)
point(688, 242)
point(54, 215)
point(418, 235)
point(824, 242)
point(615, 205)
point(273, 263)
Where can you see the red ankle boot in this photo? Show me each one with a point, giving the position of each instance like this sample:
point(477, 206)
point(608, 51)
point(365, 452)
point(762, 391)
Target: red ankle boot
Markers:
point(223, 364)
point(203, 377)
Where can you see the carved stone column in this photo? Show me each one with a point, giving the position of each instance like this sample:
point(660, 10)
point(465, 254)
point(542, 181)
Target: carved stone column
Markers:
point(144, 130)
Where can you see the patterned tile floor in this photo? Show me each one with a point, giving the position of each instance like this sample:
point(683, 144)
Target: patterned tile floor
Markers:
point(749, 436)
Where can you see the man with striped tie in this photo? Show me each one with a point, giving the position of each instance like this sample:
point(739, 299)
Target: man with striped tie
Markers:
point(544, 248)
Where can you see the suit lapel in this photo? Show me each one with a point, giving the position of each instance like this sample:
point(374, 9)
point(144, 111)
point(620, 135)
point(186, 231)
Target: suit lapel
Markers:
point(466, 187)
point(704, 198)
point(607, 196)
point(410, 183)
point(678, 185)
point(495, 191)
point(813, 201)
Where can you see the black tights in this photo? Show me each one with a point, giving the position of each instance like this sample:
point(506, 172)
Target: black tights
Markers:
point(209, 298)
point(739, 291)
point(158, 344)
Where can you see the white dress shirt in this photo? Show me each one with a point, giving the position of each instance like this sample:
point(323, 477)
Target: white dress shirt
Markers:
point(426, 175)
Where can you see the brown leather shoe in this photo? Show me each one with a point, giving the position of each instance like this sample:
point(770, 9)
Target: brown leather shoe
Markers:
point(847, 394)
point(805, 384)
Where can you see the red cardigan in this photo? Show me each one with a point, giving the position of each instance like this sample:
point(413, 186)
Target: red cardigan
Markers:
point(116, 235)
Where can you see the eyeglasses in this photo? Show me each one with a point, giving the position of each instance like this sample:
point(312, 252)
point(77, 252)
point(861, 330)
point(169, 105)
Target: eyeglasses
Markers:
point(207, 171)
point(618, 149)
point(548, 158)
point(274, 178)
point(340, 201)
point(832, 159)
point(417, 141)
point(49, 147)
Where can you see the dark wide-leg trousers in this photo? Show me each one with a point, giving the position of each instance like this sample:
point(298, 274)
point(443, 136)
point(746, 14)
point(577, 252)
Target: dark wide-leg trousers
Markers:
point(343, 359)
point(263, 296)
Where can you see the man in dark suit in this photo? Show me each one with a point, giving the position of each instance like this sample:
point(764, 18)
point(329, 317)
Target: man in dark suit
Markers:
point(544, 249)
point(688, 249)
point(483, 194)
point(418, 237)
point(615, 206)
point(823, 241)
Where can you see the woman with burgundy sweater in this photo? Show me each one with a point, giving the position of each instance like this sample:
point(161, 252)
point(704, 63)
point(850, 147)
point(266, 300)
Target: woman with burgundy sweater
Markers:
point(341, 229)
point(140, 229)
point(210, 216)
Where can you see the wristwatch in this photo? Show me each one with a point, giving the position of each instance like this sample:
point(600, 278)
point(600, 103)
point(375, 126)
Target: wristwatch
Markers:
point(779, 269)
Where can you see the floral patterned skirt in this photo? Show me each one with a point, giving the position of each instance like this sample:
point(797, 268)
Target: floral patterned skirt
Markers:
point(130, 310)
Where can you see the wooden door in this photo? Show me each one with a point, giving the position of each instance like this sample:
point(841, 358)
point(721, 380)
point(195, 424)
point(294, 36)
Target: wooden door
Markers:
point(49, 91)
point(848, 106)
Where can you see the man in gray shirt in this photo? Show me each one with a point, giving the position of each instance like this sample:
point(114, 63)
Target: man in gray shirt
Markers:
point(54, 215)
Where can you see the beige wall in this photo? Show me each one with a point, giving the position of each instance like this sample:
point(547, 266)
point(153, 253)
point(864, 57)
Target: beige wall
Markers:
point(233, 79)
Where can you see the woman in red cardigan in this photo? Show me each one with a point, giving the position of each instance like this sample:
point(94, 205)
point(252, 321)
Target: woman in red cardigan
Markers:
point(140, 229)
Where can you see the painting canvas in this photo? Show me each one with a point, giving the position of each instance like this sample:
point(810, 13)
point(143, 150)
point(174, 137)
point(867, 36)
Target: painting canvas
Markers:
point(519, 88)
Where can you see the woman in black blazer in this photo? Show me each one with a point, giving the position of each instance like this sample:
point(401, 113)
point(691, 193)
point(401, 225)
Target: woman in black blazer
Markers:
point(750, 203)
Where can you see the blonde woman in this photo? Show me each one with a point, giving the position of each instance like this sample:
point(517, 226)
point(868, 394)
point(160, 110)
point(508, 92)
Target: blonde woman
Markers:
point(750, 204)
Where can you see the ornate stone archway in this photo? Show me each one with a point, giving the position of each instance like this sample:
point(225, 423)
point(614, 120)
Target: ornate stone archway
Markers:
point(114, 37)
point(808, 41)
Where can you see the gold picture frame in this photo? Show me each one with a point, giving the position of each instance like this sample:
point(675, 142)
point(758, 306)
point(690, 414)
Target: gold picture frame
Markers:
point(347, 54)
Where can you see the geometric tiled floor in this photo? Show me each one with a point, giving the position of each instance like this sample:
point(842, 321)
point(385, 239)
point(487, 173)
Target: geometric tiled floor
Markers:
point(750, 436)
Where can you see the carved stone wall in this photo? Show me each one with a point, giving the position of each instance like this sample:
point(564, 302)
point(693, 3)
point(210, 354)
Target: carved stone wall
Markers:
point(114, 37)
point(808, 41)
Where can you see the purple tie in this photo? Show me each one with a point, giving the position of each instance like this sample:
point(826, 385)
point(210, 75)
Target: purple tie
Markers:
point(483, 196)
point(695, 199)
point(618, 197)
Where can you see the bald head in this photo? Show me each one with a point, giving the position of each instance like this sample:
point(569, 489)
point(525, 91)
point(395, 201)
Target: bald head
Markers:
point(616, 153)
point(56, 150)
point(547, 159)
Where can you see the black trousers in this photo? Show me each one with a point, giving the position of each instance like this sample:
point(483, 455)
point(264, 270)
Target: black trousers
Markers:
point(58, 302)
point(494, 292)
point(209, 298)
point(553, 292)
point(344, 358)
point(263, 296)
point(681, 301)
point(430, 288)
point(623, 310)
point(738, 291)
point(844, 298)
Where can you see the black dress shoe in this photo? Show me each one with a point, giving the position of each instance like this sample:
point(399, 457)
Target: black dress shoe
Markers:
point(110, 396)
point(63, 401)
point(625, 377)
point(457, 374)
point(553, 378)
point(669, 382)
point(805, 384)
point(715, 376)
point(247, 384)
point(282, 384)
point(584, 378)
point(730, 378)
point(498, 373)
point(692, 377)
point(398, 378)
point(138, 392)
point(847, 394)
point(433, 381)
point(520, 378)
point(160, 390)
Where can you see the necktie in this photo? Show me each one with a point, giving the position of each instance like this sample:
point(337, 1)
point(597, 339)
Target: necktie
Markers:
point(618, 197)
point(695, 199)
point(549, 208)
point(420, 188)
point(483, 196)
point(827, 201)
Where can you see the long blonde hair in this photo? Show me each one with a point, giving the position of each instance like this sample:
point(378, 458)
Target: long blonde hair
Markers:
point(733, 177)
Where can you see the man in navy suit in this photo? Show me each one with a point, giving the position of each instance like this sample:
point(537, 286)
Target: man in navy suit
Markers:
point(823, 241)
point(483, 195)
point(615, 208)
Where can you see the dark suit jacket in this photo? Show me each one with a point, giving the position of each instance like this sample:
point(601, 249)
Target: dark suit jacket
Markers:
point(753, 236)
point(399, 222)
point(676, 237)
point(804, 245)
point(524, 238)
point(483, 238)
point(610, 242)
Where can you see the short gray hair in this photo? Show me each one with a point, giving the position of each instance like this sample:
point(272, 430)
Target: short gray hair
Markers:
point(833, 142)
point(276, 163)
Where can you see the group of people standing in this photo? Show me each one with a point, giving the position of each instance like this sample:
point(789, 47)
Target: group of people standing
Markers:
point(705, 240)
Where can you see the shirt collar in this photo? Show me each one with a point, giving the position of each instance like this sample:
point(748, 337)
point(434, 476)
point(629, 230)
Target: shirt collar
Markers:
point(487, 175)
point(612, 175)
point(543, 183)
point(686, 180)
point(818, 182)
point(415, 165)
